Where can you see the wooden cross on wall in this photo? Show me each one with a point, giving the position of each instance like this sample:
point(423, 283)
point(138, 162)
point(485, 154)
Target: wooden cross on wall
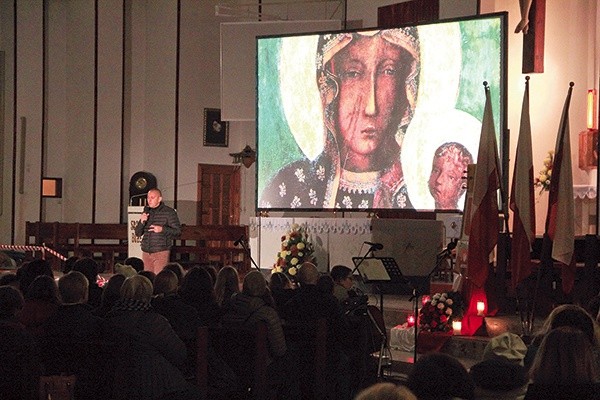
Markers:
point(533, 40)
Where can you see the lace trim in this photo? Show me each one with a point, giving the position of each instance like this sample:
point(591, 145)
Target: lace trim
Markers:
point(359, 182)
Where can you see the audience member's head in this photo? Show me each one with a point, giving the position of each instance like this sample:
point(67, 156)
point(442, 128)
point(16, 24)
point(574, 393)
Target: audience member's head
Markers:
point(212, 271)
point(148, 274)
point(32, 269)
point(342, 276)
point(69, 263)
point(197, 286)
point(111, 292)
point(308, 274)
point(137, 288)
point(10, 279)
point(73, 288)
point(135, 262)
point(280, 281)
point(325, 284)
point(573, 316)
point(89, 268)
point(43, 288)
point(227, 283)
point(440, 376)
point(177, 269)
point(125, 270)
point(565, 357)
point(166, 282)
point(508, 346)
point(255, 284)
point(501, 373)
point(11, 302)
point(385, 391)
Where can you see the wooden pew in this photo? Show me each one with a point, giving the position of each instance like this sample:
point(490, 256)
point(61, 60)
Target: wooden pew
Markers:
point(212, 243)
point(109, 242)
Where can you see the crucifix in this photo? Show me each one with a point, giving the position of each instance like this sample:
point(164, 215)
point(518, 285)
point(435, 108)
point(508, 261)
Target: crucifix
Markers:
point(532, 24)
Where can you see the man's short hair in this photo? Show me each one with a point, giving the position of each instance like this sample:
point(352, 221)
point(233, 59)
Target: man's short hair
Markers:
point(339, 272)
point(73, 288)
point(308, 274)
point(137, 287)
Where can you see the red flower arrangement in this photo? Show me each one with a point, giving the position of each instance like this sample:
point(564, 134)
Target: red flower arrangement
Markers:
point(295, 249)
point(437, 314)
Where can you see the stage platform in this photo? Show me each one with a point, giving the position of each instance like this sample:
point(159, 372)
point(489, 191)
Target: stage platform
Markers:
point(467, 349)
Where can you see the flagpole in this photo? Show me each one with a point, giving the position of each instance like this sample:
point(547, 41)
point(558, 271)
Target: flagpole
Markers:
point(546, 259)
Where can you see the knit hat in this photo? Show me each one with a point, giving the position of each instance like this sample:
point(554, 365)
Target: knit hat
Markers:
point(508, 346)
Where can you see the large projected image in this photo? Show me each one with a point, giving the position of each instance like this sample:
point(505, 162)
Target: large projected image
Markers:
point(378, 119)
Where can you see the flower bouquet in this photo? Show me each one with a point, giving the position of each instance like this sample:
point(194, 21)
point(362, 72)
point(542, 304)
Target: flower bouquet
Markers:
point(435, 320)
point(438, 313)
point(295, 249)
point(543, 179)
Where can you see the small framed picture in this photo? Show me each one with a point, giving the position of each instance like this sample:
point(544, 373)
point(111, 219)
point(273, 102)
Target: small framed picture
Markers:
point(216, 132)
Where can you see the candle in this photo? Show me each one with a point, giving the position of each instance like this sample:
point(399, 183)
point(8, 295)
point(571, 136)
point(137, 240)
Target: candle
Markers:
point(456, 327)
point(410, 320)
point(480, 308)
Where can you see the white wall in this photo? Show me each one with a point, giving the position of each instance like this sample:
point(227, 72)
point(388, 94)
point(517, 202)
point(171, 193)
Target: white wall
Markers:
point(150, 115)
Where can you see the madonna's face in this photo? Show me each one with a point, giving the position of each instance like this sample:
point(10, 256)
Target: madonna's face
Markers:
point(371, 87)
point(445, 182)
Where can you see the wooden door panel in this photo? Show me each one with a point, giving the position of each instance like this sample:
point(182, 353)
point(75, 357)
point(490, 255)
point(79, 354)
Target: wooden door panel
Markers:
point(218, 195)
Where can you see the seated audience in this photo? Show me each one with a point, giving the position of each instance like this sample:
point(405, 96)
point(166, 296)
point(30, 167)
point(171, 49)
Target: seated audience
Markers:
point(41, 301)
point(385, 391)
point(342, 277)
point(564, 367)
point(226, 285)
point(564, 315)
point(111, 292)
point(255, 304)
point(20, 368)
point(282, 289)
point(310, 304)
point(10, 279)
point(89, 268)
point(71, 343)
point(135, 262)
point(147, 350)
point(197, 290)
point(182, 317)
point(31, 270)
point(439, 376)
point(501, 375)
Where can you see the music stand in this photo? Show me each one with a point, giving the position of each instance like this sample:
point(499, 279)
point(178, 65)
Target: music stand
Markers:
point(379, 270)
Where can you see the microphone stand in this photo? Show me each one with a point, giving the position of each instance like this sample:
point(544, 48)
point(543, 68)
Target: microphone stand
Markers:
point(247, 250)
point(418, 291)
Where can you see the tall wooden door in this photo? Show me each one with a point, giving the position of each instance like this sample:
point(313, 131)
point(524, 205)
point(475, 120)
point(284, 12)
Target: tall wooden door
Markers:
point(218, 195)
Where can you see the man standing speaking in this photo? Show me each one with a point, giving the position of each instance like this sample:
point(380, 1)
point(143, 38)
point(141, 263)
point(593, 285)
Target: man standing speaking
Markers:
point(159, 225)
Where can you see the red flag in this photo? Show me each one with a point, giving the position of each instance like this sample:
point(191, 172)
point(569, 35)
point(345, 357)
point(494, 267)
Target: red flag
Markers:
point(522, 199)
point(483, 235)
point(560, 217)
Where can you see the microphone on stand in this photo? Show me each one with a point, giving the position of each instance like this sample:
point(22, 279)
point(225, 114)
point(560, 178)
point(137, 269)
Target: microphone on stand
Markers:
point(239, 241)
point(375, 246)
point(448, 250)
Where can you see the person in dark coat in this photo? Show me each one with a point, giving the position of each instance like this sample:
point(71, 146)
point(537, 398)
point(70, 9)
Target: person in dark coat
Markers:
point(147, 350)
point(71, 344)
point(41, 302)
point(158, 226)
point(89, 268)
point(20, 366)
point(255, 304)
point(197, 290)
